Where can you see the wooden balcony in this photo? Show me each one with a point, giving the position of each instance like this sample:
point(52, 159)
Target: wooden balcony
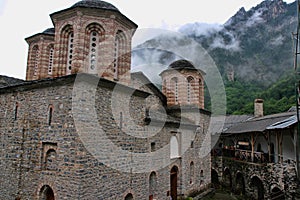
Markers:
point(243, 155)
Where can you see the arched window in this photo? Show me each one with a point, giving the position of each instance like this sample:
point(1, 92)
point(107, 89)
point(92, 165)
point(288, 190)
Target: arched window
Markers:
point(94, 36)
point(50, 160)
point(46, 193)
point(36, 59)
point(50, 62)
point(174, 82)
point(152, 185)
point(189, 89)
point(70, 53)
point(118, 53)
point(174, 147)
point(191, 172)
point(94, 43)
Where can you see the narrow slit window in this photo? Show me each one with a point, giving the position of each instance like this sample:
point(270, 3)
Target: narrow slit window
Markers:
point(50, 115)
point(16, 111)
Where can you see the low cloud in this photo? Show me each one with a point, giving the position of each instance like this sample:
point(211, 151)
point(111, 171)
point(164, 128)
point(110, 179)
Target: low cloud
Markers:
point(228, 41)
point(255, 18)
point(277, 41)
point(200, 29)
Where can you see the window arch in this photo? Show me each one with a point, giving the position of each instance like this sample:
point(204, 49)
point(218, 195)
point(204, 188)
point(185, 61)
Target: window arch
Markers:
point(46, 193)
point(174, 147)
point(50, 160)
point(152, 185)
point(66, 49)
point(94, 34)
point(35, 59)
point(70, 53)
point(120, 40)
point(50, 61)
point(190, 81)
point(191, 172)
point(94, 40)
point(174, 82)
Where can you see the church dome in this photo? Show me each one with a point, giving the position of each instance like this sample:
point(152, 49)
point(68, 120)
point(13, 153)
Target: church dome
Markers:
point(181, 64)
point(95, 4)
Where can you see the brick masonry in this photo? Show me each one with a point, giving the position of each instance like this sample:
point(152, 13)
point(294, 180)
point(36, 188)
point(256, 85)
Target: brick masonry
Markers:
point(90, 135)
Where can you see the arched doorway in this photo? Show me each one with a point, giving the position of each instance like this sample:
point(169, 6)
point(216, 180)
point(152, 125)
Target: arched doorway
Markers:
point(46, 193)
point(240, 184)
point(173, 182)
point(215, 178)
point(129, 197)
point(258, 187)
point(227, 179)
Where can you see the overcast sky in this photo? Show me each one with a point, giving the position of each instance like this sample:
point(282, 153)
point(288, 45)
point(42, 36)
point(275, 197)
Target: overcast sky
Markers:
point(22, 18)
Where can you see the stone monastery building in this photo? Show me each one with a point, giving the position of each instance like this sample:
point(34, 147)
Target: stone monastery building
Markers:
point(83, 127)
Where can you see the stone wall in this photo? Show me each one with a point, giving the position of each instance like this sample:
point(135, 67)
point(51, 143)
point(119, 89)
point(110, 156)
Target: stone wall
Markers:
point(84, 152)
point(272, 175)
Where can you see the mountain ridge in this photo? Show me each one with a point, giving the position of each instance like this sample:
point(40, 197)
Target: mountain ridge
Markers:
point(253, 48)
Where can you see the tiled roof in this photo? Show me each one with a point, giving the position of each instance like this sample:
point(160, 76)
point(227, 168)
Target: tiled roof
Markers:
point(6, 81)
point(258, 124)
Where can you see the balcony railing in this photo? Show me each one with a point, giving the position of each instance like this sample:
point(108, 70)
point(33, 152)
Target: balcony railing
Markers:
point(243, 155)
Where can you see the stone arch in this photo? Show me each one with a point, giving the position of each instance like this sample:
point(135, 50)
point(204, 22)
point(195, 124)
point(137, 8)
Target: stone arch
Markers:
point(129, 196)
point(215, 178)
point(276, 193)
point(46, 193)
point(227, 178)
point(240, 184)
point(174, 147)
point(258, 186)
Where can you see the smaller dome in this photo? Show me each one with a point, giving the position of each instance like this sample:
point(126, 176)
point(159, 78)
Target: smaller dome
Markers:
point(181, 64)
point(95, 4)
